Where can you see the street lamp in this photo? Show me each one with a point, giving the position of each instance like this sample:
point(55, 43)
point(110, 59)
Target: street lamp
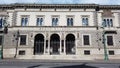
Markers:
point(5, 31)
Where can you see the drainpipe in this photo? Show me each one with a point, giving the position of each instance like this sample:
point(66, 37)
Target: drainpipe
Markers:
point(105, 49)
point(17, 39)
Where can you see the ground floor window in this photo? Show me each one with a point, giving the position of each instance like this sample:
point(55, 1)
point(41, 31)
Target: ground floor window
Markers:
point(22, 52)
point(110, 40)
point(86, 52)
point(23, 39)
point(111, 52)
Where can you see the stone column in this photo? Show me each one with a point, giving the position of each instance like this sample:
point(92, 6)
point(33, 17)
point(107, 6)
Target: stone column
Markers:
point(64, 47)
point(60, 47)
point(76, 41)
point(48, 46)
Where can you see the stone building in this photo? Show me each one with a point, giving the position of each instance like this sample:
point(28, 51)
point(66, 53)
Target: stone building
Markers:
point(60, 31)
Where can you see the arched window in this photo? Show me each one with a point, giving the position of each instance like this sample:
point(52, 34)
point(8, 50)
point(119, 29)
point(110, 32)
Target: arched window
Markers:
point(104, 23)
point(69, 21)
point(54, 21)
point(24, 21)
point(85, 21)
point(111, 23)
point(107, 22)
point(39, 21)
point(1, 23)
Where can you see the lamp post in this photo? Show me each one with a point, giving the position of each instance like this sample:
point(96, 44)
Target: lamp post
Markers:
point(104, 44)
point(5, 30)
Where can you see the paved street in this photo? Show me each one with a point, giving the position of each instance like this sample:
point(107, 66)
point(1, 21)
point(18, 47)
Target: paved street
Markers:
point(55, 64)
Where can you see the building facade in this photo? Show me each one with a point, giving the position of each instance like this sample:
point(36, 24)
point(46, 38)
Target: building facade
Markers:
point(60, 31)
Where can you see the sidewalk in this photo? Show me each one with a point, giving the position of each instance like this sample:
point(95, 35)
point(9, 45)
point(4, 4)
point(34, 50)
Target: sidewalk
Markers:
point(59, 61)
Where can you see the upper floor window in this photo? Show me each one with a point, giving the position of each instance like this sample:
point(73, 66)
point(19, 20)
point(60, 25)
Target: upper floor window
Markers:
point(85, 21)
point(23, 39)
point(107, 22)
point(24, 21)
point(2, 21)
point(86, 40)
point(109, 40)
point(55, 21)
point(39, 21)
point(70, 21)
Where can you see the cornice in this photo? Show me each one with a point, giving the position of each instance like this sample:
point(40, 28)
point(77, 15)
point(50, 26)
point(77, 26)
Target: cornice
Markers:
point(58, 6)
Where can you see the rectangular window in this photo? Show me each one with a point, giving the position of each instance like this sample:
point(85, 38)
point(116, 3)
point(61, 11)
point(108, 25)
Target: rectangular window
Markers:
point(69, 21)
point(55, 21)
point(1, 40)
point(111, 52)
point(86, 40)
point(1, 22)
point(39, 21)
point(22, 39)
point(24, 21)
point(85, 21)
point(107, 22)
point(21, 52)
point(109, 40)
point(86, 52)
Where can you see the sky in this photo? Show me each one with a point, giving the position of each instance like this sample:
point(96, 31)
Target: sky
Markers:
point(102, 2)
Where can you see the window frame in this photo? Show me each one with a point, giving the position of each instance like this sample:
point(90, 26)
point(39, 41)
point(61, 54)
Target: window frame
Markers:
point(21, 53)
point(111, 51)
point(25, 16)
point(56, 17)
point(1, 21)
point(40, 16)
point(107, 39)
point(83, 39)
point(106, 23)
point(85, 16)
point(88, 52)
point(70, 17)
point(26, 39)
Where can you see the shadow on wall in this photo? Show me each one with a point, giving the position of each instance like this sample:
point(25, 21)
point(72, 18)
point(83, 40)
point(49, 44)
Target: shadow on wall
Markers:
point(76, 66)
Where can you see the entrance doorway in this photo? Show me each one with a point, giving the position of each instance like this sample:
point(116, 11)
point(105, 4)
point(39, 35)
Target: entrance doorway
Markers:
point(55, 44)
point(39, 44)
point(70, 44)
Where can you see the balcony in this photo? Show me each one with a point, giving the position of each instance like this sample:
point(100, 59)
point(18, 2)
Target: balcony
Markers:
point(110, 30)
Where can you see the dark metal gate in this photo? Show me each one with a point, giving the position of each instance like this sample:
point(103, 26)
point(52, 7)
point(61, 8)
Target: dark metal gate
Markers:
point(70, 47)
point(54, 47)
point(39, 47)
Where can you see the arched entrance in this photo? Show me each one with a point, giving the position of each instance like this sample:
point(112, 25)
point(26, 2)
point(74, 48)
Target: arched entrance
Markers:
point(55, 44)
point(70, 44)
point(39, 44)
